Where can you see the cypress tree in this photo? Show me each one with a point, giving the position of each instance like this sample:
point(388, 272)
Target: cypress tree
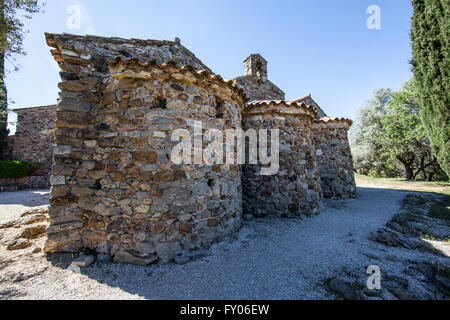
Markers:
point(430, 37)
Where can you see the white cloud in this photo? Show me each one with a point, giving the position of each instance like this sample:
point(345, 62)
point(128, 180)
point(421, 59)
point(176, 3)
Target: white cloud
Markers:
point(86, 24)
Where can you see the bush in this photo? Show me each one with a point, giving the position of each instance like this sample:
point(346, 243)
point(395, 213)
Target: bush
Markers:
point(34, 167)
point(14, 169)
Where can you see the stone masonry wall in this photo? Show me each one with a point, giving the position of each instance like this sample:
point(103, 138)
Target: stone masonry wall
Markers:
point(295, 190)
point(85, 73)
point(334, 157)
point(115, 190)
point(33, 143)
point(33, 140)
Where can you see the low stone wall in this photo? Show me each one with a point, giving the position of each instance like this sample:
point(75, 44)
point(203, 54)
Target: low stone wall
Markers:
point(295, 189)
point(34, 139)
point(32, 182)
point(334, 157)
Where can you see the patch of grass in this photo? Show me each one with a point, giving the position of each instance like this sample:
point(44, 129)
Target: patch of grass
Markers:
point(440, 187)
point(428, 237)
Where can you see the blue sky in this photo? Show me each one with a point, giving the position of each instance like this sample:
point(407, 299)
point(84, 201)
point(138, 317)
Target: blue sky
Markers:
point(321, 47)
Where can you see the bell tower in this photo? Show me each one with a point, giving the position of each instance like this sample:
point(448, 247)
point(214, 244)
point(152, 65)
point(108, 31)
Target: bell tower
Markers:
point(255, 65)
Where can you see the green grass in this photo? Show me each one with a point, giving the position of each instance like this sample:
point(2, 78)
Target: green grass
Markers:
point(439, 187)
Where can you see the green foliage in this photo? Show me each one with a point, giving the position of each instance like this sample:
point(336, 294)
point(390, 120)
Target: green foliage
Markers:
point(12, 33)
point(390, 132)
point(14, 169)
point(35, 166)
point(430, 36)
point(403, 136)
point(367, 155)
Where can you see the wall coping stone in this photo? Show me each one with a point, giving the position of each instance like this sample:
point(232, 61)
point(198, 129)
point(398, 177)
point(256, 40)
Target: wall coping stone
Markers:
point(121, 67)
point(51, 39)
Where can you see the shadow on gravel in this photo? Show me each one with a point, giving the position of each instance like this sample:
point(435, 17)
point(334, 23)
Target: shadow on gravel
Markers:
point(421, 230)
point(4, 263)
point(27, 198)
point(161, 282)
point(11, 293)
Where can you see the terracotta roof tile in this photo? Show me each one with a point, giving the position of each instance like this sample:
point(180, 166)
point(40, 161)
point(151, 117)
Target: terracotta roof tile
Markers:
point(282, 102)
point(335, 119)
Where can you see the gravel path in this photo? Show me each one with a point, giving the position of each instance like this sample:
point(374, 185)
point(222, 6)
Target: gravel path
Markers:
point(13, 204)
point(269, 258)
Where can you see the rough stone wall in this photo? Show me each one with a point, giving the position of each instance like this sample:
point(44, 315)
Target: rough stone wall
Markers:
point(255, 83)
point(34, 137)
point(37, 181)
point(85, 73)
point(295, 190)
point(114, 188)
point(334, 157)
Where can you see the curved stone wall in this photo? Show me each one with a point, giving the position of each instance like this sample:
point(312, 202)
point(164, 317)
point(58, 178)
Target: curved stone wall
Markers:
point(115, 181)
point(295, 189)
point(334, 157)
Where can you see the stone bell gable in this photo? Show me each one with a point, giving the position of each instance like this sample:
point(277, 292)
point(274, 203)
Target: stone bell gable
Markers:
point(255, 82)
point(115, 189)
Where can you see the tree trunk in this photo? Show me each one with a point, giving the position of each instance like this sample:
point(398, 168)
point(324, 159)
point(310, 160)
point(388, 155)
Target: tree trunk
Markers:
point(3, 107)
point(409, 172)
point(409, 169)
point(3, 94)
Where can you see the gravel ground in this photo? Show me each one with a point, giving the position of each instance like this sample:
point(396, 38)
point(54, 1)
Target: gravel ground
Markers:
point(13, 204)
point(269, 258)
